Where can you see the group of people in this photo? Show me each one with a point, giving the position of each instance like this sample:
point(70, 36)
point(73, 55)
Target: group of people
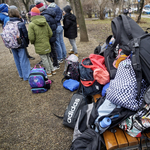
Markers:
point(127, 11)
point(45, 32)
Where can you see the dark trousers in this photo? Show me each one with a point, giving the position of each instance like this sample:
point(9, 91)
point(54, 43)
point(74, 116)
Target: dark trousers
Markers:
point(53, 54)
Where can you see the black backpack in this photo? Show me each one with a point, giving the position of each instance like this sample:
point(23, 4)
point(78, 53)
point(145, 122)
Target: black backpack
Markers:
point(89, 140)
point(134, 42)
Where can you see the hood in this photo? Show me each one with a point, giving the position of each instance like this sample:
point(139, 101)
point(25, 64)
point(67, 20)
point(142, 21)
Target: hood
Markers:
point(70, 16)
point(39, 20)
point(67, 9)
point(2, 16)
point(15, 19)
point(49, 11)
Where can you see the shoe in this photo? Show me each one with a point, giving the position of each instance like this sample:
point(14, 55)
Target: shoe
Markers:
point(30, 57)
point(49, 74)
point(60, 61)
point(54, 72)
point(77, 54)
point(56, 67)
point(71, 52)
point(40, 63)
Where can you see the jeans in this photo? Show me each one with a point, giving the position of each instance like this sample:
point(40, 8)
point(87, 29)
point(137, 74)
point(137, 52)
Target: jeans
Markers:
point(74, 46)
point(22, 62)
point(60, 45)
point(53, 54)
point(47, 63)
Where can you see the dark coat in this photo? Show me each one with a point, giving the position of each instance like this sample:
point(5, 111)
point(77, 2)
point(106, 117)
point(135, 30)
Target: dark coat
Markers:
point(50, 15)
point(70, 26)
point(23, 31)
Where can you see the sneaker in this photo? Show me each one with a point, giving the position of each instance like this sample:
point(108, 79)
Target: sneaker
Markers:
point(56, 67)
point(40, 63)
point(30, 57)
point(71, 52)
point(77, 54)
point(54, 72)
point(49, 74)
point(60, 61)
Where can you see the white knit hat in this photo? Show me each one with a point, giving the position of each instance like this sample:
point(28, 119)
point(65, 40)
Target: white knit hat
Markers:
point(39, 1)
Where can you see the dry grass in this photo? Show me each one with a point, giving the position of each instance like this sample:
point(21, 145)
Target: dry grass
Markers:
point(26, 120)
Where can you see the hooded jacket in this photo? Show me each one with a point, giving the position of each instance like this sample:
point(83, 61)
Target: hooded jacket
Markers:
point(39, 34)
point(50, 15)
point(23, 31)
point(70, 26)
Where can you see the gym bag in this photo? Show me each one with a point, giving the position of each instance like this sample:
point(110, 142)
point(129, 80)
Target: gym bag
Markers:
point(72, 111)
point(38, 80)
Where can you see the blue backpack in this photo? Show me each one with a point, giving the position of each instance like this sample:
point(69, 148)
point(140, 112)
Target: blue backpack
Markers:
point(38, 80)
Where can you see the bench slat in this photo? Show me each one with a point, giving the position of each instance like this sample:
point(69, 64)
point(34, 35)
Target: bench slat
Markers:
point(121, 139)
point(131, 140)
point(110, 140)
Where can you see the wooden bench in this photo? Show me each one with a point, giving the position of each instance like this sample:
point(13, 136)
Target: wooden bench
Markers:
point(120, 140)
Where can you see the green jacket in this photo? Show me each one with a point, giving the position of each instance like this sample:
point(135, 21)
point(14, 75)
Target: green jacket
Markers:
point(39, 34)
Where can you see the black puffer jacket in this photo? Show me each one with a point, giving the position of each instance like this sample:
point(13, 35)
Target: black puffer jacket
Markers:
point(23, 32)
point(50, 15)
point(70, 26)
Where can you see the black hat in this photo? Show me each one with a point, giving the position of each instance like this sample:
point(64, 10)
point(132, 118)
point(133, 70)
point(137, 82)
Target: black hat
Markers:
point(67, 9)
point(50, 1)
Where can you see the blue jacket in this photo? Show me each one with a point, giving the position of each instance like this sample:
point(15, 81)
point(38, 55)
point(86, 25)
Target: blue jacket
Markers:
point(23, 32)
point(4, 18)
point(50, 15)
point(58, 12)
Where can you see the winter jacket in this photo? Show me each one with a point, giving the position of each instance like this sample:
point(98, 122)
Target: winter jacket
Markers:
point(23, 32)
point(58, 12)
point(50, 15)
point(4, 18)
point(39, 34)
point(70, 26)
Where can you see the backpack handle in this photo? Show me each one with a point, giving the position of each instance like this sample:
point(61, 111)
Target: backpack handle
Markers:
point(88, 66)
point(38, 65)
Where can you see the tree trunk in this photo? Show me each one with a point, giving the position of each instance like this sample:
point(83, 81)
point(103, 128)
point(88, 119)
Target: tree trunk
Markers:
point(140, 11)
point(73, 6)
point(26, 4)
point(81, 21)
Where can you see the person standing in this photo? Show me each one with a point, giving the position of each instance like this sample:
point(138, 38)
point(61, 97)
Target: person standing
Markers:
point(39, 34)
point(50, 15)
point(60, 45)
point(70, 28)
point(20, 56)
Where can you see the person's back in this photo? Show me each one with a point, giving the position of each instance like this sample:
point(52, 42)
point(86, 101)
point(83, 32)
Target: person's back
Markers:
point(60, 46)
point(39, 34)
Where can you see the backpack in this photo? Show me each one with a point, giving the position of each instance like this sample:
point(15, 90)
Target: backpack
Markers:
point(10, 34)
point(133, 40)
point(89, 140)
point(38, 80)
point(71, 70)
point(93, 74)
point(139, 123)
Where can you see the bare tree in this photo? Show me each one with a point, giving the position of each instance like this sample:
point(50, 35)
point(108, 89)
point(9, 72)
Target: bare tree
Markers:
point(81, 21)
point(140, 11)
point(26, 4)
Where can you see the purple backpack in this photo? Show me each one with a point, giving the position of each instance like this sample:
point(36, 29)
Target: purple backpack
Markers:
point(38, 80)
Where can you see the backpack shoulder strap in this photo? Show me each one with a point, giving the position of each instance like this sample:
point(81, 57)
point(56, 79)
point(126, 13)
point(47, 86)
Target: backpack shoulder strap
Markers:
point(126, 26)
point(117, 26)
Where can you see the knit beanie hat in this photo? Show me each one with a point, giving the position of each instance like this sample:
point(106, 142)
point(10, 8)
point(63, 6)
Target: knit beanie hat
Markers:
point(51, 1)
point(12, 7)
point(40, 6)
point(35, 11)
point(67, 9)
point(3, 8)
